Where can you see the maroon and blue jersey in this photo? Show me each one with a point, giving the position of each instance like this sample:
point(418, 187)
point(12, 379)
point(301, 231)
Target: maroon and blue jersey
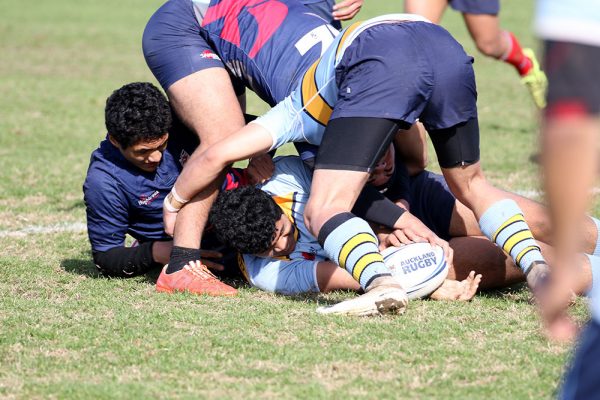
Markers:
point(121, 199)
point(265, 44)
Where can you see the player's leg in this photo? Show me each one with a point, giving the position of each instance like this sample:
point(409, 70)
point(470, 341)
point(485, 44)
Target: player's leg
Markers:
point(341, 168)
point(503, 45)
point(433, 10)
point(173, 51)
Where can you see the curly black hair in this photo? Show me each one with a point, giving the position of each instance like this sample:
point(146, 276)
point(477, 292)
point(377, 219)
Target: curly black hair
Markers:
point(137, 112)
point(245, 218)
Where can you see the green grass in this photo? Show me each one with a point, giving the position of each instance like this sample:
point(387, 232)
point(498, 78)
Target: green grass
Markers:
point(66, 332)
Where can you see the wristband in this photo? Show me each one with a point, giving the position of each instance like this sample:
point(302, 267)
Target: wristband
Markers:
point(173, 202)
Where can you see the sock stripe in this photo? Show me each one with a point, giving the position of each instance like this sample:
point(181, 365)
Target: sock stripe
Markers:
point(352, 244)
point(515, 239)
point(364, 262)
point(525, 251)
point(512, 220)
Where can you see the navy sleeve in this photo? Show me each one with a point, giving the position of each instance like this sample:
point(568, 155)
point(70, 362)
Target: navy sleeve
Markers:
point(106, 210)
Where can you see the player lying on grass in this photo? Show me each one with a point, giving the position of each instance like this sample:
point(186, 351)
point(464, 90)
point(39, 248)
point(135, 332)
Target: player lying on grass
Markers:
point(280, 254)
point(129, 176)
point(377, 77)
point(428, 197)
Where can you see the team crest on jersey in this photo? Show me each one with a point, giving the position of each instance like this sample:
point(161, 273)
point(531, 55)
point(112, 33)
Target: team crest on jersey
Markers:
point(209, 54)
point(147, 200)
point(183, 157)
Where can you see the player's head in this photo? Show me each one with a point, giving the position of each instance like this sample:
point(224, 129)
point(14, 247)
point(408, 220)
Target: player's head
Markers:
point(384, 169)
point(138, 118)
point(248, 220)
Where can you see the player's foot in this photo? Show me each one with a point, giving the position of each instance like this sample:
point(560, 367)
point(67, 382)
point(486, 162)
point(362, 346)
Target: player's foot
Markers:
point(194, 278)
point(537, 276)
point(535, 80)
point(383, 296)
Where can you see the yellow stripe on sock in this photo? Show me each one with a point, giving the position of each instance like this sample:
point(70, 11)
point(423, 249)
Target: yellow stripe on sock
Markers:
point(525, 251)
point(363, 262)
point(513, 219)
point(353, 243)
point(514, 239)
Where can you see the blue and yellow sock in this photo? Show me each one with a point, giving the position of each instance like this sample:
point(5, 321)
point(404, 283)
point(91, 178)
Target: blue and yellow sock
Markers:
point(503, 223)
point(350, 242)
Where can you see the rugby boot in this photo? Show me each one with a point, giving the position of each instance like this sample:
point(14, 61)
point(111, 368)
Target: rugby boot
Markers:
point(193, 278)
point(535, 80)
point(383, 296)
point(537, 276)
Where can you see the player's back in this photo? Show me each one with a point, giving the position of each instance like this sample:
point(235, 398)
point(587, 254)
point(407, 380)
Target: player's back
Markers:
point(266, 44)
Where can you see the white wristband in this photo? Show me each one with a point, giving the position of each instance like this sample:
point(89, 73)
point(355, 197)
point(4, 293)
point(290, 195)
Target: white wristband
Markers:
point(177, 197)
point(168, 206)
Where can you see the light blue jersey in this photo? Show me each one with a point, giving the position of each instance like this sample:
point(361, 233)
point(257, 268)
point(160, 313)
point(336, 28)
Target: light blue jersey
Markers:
point(290, 187)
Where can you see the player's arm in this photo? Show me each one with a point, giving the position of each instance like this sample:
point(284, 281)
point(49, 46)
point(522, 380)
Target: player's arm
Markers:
point(411, 145)
point(107, 221)
point(201, 171)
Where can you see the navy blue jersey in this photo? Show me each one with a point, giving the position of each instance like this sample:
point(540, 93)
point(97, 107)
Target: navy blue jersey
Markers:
point(122, 199)
point(266, 44)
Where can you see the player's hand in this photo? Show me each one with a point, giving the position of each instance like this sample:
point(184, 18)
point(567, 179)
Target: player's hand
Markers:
point(455, 290)
point(169, 219)
point(347, 9)
point(553, 301)
point(413, 230)
point(207, 255)
point(260, 169)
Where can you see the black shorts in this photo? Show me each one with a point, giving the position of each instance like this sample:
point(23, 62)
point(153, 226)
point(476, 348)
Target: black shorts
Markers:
point(573, 72)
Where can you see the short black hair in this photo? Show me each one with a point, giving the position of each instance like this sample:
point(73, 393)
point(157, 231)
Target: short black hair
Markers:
point(244, 219)
point(137, 112)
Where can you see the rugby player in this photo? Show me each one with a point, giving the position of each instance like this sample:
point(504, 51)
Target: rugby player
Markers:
point(128, 178)
point(376, 77)
point(266, 224)
point(196, 49)
point(571, 126)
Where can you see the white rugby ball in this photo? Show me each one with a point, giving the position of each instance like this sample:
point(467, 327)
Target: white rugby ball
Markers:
point(420, 267)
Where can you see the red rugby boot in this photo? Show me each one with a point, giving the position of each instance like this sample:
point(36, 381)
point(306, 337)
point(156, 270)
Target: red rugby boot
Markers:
point(194, 278)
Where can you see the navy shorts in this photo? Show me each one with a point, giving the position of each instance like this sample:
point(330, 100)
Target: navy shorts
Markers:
point(581, 380)
point(172, 44)
point(491, 7)
point(432, 202)
point(573, 84)
point(406, 71)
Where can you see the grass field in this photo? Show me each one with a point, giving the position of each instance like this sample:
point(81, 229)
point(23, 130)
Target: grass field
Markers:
point(66, 332)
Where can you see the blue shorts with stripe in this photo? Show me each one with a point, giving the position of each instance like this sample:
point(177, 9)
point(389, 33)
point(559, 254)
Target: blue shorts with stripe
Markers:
point(426, 74)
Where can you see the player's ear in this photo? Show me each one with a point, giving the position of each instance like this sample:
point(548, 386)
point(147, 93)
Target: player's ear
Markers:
point(114, 141)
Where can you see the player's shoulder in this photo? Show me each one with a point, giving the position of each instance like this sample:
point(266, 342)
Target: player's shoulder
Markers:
point(291, 174)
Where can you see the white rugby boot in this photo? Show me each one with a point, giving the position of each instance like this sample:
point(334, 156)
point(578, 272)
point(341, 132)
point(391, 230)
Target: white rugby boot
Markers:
point(383, 296)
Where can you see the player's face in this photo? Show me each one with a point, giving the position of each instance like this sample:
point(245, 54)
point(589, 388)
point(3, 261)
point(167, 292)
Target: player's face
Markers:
point(146, 155)
point(384, 170)
point(284, 240)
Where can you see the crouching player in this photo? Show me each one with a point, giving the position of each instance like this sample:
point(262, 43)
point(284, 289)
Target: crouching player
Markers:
point(280, 255)
point(128, 178)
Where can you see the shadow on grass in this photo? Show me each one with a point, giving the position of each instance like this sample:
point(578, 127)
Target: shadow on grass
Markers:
point(85, 266)
point(73, 206)
point(518, 293)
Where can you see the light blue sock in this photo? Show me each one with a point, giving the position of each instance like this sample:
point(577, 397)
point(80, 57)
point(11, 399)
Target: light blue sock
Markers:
point(503, 223)
point(595, 265)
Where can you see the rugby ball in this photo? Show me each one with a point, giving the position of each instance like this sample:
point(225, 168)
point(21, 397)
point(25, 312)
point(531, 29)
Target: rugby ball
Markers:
point(420, 267)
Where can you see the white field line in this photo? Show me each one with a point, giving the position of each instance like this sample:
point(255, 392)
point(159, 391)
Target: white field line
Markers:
point(77, 227)
point(39, 229)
